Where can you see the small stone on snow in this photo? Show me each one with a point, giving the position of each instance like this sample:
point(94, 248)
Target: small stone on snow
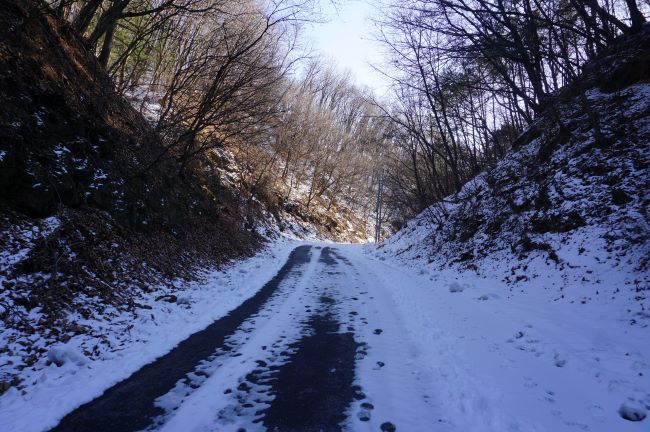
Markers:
point(632, 411)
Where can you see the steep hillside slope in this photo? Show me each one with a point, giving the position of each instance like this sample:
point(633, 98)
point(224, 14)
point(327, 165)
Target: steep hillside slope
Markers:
point(535, 278)
point(284, 209)
point(86, 221)
point(572, 194)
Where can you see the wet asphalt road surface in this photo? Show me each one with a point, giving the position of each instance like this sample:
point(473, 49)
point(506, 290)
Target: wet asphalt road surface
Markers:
point(129, 405)
point(310, 389)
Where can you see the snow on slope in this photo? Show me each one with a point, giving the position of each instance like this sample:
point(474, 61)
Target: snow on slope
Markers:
point(576, 212)
point(533, 280)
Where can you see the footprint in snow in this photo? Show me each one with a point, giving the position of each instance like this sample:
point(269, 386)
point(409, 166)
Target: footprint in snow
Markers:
point(597, 412)
point(530, 383)
point(455, 287)
point(559, 361)
point(363, 415)
point(489, 296)
point(549, 396)
point(358, 393)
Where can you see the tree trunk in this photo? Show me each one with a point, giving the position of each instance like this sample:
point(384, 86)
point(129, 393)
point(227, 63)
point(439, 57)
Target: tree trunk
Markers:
point(107, 20)
point(85, 16)
point(635, 15)
point(105, 54)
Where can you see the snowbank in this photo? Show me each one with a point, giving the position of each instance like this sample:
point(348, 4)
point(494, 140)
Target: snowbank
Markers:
point(120, 343)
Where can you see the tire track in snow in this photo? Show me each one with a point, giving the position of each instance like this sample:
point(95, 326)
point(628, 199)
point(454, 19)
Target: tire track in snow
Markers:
point(129, 405)
point(255, 390)
point(232, 397)
point(314, 389)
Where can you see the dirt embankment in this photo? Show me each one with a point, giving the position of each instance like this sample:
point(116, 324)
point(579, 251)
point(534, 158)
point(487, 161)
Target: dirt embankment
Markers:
point(85, 222)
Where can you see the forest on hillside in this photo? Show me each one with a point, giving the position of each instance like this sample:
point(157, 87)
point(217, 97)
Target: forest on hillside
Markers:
point(467, 78)
point(206, 127)
point(188, 189)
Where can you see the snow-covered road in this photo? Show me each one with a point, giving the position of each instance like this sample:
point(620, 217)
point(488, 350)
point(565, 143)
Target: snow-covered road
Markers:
point(323, 349)
point(342, 340)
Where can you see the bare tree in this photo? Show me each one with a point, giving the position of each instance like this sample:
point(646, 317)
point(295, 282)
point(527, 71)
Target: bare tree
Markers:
point(469, 75)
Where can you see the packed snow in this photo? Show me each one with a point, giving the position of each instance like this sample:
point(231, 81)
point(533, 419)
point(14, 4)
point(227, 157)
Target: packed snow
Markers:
point(439, 349)
point(519, 357)
point(122, 342)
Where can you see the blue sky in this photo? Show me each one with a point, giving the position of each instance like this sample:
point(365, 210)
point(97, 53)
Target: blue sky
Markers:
point(347, 40)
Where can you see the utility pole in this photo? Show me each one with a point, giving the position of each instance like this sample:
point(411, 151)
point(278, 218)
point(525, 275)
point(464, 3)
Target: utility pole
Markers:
point(378, 214)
